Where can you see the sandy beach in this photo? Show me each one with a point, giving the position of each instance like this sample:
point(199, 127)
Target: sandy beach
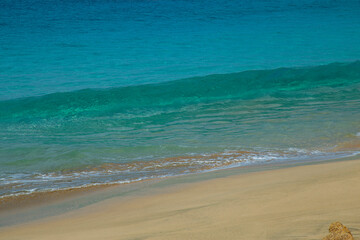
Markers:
point(179, 120)
point(291, 203)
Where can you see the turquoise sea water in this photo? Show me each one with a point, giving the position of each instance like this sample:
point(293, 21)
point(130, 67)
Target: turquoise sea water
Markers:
point(94, 92)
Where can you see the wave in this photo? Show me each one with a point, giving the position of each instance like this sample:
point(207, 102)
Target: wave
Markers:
point(120, 135)
point(244, 85)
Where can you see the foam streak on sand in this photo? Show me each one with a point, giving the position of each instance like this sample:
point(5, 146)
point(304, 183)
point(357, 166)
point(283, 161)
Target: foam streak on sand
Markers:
point(290, 203)
point(109, 174)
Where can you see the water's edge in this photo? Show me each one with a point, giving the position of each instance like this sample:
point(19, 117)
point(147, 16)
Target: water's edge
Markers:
point(123, 192)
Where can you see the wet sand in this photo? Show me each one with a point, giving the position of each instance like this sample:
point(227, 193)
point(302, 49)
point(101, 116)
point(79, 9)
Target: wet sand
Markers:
point(290, 203)
point(13, 202)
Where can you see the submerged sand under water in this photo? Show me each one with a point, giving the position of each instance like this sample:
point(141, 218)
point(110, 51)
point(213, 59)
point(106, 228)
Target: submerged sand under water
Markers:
point(109, 174)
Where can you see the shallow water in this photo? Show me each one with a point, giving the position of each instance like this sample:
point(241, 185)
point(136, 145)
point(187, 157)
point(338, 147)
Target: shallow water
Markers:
point(86, 96)
point(134, 133)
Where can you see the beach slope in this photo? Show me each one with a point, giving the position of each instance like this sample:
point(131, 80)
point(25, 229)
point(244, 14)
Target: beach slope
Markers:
point(291, 203)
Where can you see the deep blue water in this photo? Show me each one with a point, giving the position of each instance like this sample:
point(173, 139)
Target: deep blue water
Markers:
point(93, 92)
point(51, 46)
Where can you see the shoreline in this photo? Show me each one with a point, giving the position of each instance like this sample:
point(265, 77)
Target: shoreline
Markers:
point(269, 204)
point(342, 151)
point(19, 202)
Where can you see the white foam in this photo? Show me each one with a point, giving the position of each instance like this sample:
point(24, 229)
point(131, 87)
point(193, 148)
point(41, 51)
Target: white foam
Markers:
point(28, 183)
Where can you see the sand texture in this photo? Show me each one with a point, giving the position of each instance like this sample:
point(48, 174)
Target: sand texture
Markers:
point(292, 203)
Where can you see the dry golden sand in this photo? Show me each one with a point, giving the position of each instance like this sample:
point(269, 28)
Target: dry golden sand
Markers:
point(291, 203)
